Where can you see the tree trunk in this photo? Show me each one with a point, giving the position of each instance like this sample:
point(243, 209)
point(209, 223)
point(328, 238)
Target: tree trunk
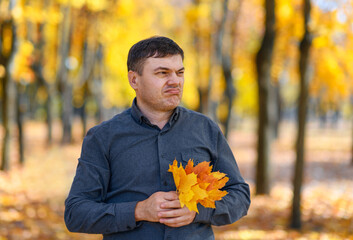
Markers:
point(5, 55)
point(224, 55)
point(275, 113)
point(5, 123)
point(352, 137)
point(229, 91)
point(87, 76)
point(200, 88)
point(302, 112)
point(97, 84)
point(67, 113)
point(220, 49)
point(48, 102)
point(212, 38)
point(263, 67)
point(20, 110)
point(83, 113)
point(37, 68)
point(227, 62)
point(199, 43)
point(65, 86)
point(49, 115)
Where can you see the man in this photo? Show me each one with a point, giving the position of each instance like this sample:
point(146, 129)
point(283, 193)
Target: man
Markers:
point(122, 188)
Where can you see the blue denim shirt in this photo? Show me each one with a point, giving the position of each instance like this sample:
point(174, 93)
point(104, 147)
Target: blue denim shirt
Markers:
point(126, 159)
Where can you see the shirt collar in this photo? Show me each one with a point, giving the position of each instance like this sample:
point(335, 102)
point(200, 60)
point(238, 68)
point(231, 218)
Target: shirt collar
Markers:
point(140, 118)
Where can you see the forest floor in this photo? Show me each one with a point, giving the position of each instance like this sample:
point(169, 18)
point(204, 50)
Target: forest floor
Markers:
point(32, 197)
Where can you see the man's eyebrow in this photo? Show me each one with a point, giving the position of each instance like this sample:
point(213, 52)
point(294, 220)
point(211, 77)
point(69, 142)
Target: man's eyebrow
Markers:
point(167, 69)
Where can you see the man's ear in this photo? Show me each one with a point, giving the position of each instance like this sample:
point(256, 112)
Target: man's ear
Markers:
point(132, 79)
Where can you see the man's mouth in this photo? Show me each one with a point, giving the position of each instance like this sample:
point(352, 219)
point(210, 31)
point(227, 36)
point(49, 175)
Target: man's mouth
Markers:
point(173, 91)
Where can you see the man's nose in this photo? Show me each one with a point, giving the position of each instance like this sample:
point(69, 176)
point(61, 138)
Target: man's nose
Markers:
point(174, 79)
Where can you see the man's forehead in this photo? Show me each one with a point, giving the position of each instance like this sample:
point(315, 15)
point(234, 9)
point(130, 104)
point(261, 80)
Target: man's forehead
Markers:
point(173, 61)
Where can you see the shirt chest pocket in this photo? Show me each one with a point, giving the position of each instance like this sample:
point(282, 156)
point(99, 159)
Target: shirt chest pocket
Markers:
point(196, 157)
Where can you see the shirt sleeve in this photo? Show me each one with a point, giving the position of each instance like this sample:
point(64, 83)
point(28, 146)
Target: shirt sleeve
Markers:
point(236, 203)
point(85, 209)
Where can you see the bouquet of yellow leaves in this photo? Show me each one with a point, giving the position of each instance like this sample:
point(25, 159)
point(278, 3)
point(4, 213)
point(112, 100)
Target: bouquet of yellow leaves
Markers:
point(198, 184)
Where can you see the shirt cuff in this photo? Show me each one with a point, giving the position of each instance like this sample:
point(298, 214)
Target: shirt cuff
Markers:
point(204, 215)
point(126, 216)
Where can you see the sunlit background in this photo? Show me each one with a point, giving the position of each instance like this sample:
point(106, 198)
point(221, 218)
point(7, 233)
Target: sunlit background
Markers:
point(63, 70)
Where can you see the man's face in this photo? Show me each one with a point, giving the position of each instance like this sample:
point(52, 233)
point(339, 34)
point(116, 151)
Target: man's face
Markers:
point(160, 87)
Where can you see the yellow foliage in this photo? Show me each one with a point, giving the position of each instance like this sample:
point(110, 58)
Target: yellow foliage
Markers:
point(96, 5)
point(284, 10)
point(119, 24)
point(289, 19)
point(321, 41)
point(18, 13)
point(125, 8)
point(190, 93)
point(50, 33)
point(34, 14)
point(198, 17)
point(53, 15)
point(92, 5)
point(191, 14)
point(218, 83)
point(6, 47)
point(222, 111)
point(2, 71)
point(246, 98)
point(42, 95)
point(22, 61)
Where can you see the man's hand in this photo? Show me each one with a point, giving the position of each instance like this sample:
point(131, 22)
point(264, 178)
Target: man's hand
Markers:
point(175, 216)
point(164, 207)
point(148, 209)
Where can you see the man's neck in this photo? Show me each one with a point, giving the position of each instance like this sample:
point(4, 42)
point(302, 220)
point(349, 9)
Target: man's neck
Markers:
point(159, 118)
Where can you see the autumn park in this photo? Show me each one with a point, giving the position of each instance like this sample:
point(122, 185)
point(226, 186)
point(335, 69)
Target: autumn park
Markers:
point(275, 75)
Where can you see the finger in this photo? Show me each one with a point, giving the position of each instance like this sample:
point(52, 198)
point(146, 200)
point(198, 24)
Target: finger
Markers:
point(170, 196)
point(172, 220)
point(174, 213)
point(170, 204)
point(176, 222)
point(178, 217)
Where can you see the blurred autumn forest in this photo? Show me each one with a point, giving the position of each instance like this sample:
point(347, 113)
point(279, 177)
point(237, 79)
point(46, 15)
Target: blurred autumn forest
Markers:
point(276, 75)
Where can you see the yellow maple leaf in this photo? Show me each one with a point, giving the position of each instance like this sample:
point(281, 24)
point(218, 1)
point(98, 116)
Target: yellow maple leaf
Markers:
point(198, 184)
point(178, 172)
point(189, 167)
point(199, 193)
point(202, 169)
point(186, 181)
point(208, 203)
point(187, 200)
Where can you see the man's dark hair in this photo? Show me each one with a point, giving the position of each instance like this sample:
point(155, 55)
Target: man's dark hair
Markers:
point(157, 47)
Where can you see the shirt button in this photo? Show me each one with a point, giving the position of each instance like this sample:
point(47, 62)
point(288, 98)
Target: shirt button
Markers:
point(165, 183)
point(163, 155)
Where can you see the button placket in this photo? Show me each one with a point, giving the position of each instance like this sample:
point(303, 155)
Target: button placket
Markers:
point(162, 162)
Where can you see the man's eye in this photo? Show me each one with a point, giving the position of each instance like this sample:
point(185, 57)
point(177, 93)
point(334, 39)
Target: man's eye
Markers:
point(162, 73)
point(181, 73)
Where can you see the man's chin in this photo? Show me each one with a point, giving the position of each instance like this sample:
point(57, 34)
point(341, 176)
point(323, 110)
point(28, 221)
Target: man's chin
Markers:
point(171, 105)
